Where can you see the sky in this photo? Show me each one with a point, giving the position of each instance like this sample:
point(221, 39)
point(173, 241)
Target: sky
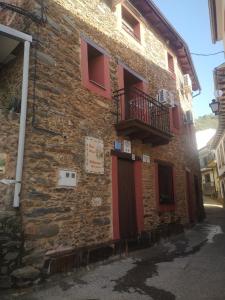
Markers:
point(191, 20)
point(204, 136)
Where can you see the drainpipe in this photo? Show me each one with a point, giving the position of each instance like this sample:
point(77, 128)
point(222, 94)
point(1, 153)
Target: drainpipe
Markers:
point(22, 128)
point(196, 95)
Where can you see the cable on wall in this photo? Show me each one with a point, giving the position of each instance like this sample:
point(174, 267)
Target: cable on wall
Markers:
point(209, 54)
point(24, 12)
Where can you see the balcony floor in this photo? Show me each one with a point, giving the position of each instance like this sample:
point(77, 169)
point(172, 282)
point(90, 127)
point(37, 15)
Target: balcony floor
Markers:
point(137, 129)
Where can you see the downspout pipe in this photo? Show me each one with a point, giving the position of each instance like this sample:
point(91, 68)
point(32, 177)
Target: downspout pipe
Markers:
point(196, 95)
point(27, 40)
point(22, 128)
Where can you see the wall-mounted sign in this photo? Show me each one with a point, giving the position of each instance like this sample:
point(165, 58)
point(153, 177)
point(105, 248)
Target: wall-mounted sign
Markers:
point(146, 158)
point(2, 163)
point(127, 146)
point(94, 155)
point(118, 145)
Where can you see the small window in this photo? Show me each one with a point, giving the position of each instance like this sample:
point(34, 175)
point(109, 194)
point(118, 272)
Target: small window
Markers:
point(96, 66)
point(170, 63)
point(95, 74)
point(205, 160)
point(131, 24)
point(165, 181)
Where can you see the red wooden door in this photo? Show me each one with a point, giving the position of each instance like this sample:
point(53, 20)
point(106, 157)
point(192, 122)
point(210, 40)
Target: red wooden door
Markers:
point(127, 204)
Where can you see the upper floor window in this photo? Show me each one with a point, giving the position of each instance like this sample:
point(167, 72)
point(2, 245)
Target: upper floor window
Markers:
point(171, 67)
point(95, 68)
point(205, 160)
point(131, 24)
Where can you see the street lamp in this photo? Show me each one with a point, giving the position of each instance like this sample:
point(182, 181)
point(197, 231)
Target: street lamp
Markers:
point(215, 105)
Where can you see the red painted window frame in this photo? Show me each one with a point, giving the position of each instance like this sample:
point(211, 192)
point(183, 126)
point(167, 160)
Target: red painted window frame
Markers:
point(138, 197)
point(171, 65)
point(136, 34)
point(120, 75)
point(164, 207)
point(175, 116)
point(90, 85)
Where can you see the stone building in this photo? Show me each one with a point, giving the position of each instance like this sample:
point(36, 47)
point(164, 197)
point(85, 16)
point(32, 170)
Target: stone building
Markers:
point(209, 171)
point(110, 151)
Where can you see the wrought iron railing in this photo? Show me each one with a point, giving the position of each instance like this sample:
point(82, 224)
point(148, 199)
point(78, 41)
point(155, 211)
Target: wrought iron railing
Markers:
point(133, 104)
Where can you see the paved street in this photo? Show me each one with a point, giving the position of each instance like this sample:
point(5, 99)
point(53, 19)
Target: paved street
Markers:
point(188, 267)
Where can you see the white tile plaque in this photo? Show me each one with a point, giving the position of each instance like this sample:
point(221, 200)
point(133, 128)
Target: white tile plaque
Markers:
point(127, 146)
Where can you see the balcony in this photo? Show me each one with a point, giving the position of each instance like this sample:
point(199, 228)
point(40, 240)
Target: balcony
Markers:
point(141, 117)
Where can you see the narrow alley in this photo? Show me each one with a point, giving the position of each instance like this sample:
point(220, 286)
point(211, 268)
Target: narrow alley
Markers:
point(186, 267)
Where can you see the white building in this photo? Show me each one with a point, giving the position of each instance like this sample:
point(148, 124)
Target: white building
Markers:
point(217, 20)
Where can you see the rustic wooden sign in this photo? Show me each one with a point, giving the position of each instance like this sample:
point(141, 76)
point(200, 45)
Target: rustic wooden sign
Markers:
point(94, 155)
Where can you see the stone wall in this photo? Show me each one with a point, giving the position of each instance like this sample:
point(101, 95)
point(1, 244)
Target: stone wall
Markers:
point(10, 246)
point(66, 112)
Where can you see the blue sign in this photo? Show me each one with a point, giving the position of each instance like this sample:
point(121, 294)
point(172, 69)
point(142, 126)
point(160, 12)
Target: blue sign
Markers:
point(117, 145)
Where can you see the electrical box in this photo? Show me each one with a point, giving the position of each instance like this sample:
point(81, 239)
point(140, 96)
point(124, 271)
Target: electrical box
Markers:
point(127, 146)
point(67, 178)
point(166, 97)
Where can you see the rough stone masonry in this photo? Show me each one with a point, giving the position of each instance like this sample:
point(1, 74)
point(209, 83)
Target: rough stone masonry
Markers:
point(62, 112)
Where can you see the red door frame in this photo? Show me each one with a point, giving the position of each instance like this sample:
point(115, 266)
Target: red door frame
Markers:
point(142, 85)
point(138, 197)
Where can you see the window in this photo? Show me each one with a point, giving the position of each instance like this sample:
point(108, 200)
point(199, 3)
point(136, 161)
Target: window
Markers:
point(96, 66)
point(165, 184)
point(207, 178)
point(175, 121)
point(131, 24)
point(205, 160)
point(95, 69)
point(170, 63)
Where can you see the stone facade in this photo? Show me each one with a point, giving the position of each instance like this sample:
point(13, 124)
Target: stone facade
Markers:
point(65, 112)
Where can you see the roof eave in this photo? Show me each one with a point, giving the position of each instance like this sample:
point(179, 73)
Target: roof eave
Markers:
point(213, 20)
point(176, 35)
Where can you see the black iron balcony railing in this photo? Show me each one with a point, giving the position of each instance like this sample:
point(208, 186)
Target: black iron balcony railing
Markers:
point(133, 104)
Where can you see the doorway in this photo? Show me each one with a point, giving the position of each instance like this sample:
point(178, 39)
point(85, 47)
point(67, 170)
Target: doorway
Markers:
point(126, 199)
